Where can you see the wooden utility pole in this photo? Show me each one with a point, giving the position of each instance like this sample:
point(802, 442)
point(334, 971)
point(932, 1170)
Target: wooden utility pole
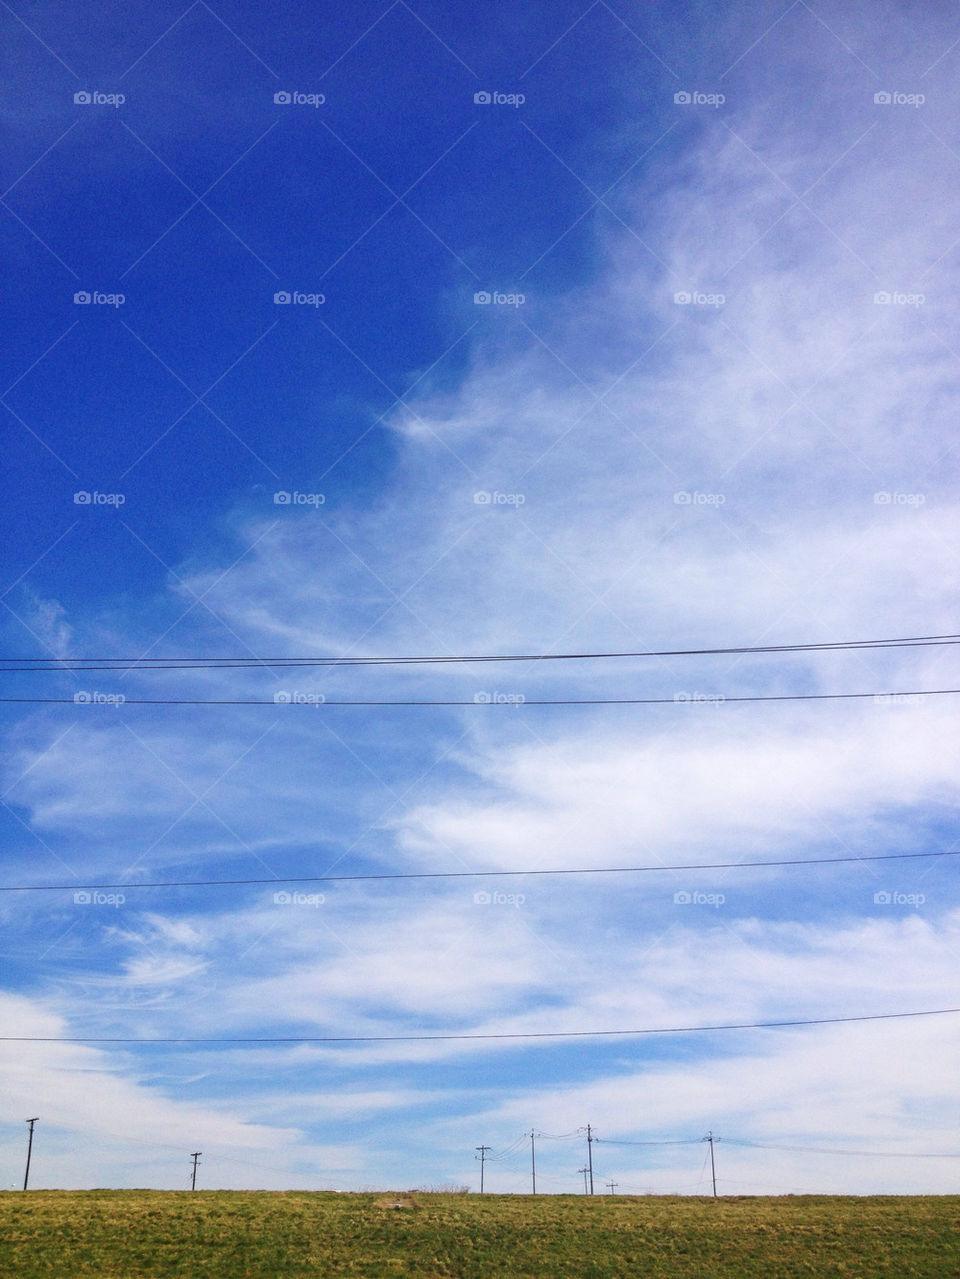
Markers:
point(26, 1175)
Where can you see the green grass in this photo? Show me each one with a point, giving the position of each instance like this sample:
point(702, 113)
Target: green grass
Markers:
point(129, 1233)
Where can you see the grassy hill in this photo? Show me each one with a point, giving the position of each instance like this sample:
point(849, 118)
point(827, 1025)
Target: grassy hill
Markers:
point(213, 1234)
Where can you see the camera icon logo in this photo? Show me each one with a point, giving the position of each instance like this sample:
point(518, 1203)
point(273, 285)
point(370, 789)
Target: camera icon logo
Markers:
point(882, 298)
point(681, 499)
point(682, 299)
point(882, 898)
point(82, 98)
point(682, 898)
point(82, 898)
point(82, 498)
point(682, 98)
point(482, 98)
point(82, 699)
point(82, 298)
point(282, 98)
point(482, 298)
point(282, 899)
point(481, 498)
point(481, 699)
point(481, 898)
point(282, 298)
point(881, 499)
point(282, 698)
point(282, 498)
point(882, 99)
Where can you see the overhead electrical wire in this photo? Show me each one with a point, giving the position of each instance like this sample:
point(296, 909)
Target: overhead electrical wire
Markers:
point(696, 699)
point(679, 1141)
point(500, 1035)
point(238, 663)
point(605, 1141)
point(508, 1151)
point(817, 1150)
point(474, 874)
point(520, 1143)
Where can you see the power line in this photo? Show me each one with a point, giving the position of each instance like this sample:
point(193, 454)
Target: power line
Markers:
point(472, 874)
point(508, 1150)
point(126, 1139)
point(577, 1134)
point(677, 1141)
point(503, 1035)
point(817, 1150)
point(699, 699)
point(240, 663)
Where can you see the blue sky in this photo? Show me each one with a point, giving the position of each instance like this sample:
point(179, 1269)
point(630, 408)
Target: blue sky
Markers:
point(712, 402)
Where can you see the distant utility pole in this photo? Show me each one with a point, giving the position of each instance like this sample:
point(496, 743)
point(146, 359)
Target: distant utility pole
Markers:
point(612, 1185)
point(482, 1157)
point(590, 1141)
point(533, 1160)
point(194, 1156)
point(713, 1166)
point(584, 1171)
point(26, 1175)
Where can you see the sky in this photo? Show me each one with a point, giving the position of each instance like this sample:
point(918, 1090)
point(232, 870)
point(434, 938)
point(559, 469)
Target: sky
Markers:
point(396, 329)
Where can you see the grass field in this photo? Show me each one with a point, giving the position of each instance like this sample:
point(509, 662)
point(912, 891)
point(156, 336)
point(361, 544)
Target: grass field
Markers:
point(130, 1233)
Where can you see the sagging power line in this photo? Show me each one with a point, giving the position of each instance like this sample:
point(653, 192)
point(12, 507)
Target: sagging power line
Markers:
point(477, 874)
point(479, 1036)
point(145, 663)
point(711, 699)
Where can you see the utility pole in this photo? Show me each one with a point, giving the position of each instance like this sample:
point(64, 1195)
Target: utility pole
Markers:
point(533, 1160)
point(195, 1155)
point(590, 1155)
point(713, 1166)
point(584, 1171)
point(26, 1175)
point(613, 1185)
point(482, 1157)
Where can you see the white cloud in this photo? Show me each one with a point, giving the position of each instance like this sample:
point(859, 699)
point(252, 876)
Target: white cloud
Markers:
point(712, 780)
